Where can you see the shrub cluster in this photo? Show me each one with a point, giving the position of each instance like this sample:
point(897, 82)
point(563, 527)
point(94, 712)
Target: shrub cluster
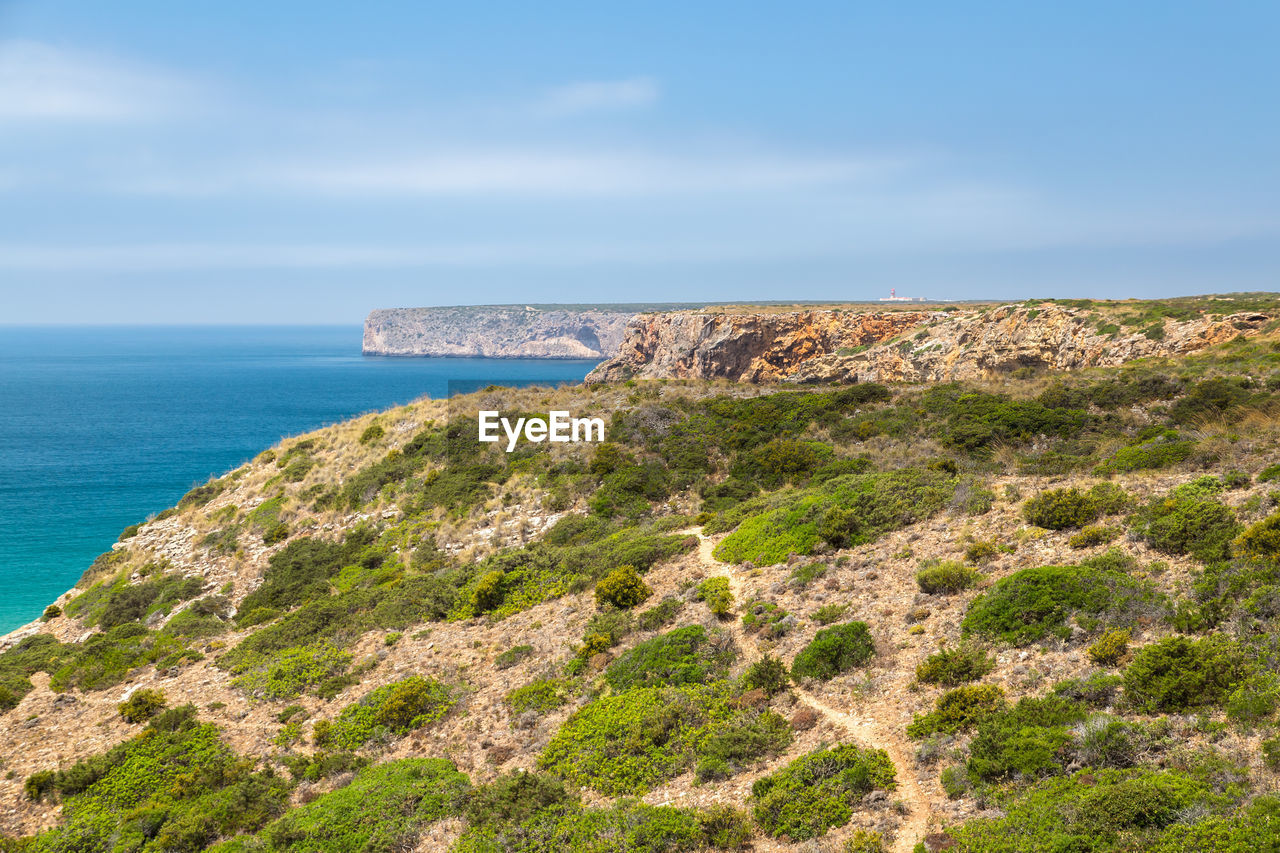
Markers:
point(1188, 522)
point(543, 695)
point(1034, 603)
point(690, 655)
point(845, 511)
point(1179, 673)
point(1059, 509)
point(954, 666)
point(177, 780)
point(628, 742)
point(141, 705)
point(833, 651)
point(715, 592)
point(623, 588)
point(394, 709)
point(946, 576)
point(818, 790)
point(958, 710)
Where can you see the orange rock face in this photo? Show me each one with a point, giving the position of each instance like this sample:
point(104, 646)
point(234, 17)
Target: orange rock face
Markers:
point(844, 346)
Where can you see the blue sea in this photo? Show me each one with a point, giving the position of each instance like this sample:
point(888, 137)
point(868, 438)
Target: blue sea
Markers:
point(101, 427)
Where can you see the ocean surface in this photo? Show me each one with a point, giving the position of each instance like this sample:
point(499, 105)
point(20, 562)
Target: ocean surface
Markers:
point(102, 427)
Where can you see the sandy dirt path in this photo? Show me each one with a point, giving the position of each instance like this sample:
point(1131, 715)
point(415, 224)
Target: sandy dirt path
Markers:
point(866, 730)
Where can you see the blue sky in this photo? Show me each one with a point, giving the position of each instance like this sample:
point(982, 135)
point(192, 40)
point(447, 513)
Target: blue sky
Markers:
point(307, 162)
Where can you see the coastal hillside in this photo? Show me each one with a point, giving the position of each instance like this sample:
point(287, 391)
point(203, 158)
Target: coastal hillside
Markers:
point(1032, 613)
point(846, 344)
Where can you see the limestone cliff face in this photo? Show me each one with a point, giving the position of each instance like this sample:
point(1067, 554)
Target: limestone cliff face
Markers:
point(753, 347)
point(494, 332)
point(841, 346)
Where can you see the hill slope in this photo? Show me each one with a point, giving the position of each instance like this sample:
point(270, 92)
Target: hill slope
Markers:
point(1031, 615)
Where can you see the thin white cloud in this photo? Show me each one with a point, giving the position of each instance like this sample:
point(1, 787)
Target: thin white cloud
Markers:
point(598, 96)
point(206, 256)
point(40, 82)
point(564, 174)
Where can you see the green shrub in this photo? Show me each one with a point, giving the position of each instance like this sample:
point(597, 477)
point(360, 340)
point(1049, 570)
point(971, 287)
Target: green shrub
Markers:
point(394, 709)
point(384, 808)
point(1255, 699)
point(845, 511)
point(141, 705)
point(1185, 524)
point(53, 611)
point(806, 573)
point(630, 490)
point(276, 533)
point(41, 784)
point(959, 709)
point(628, 826)
point(730, 493)
point(864, 841)
point(564, 562)
point(782, 460)
point(1179, 673)
point(513, 798)
point(513, 656)
point(1161, 451)
point(543, 695)
point(981, 551)
point(768, 674)
point(952, 667)
point(1271, 753)
point(660, 614)
point(833, 651)
point(818, 790)
point(1270, 473)
point(622, 588)
point(828, 613)
point(977, 421)
point(1034, 603)
point(1110, 648)
point(292, 672)
point(628, 742)
point(715, 592)
point(201, 495)
point(1095, 811)
point(1210, 398)
point(947, 576)
point(954, 781)
point(177, 780)
point(372, 433)
point(1029, 739)
point(322, 765)
point(1097, 690)
point(1261, 541)
point(688, 655)
point(1094, 534)
point(1059, 509)
point(766, 619)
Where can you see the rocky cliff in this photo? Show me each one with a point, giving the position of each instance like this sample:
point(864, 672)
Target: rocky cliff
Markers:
point(495, 331)
point(843, 346)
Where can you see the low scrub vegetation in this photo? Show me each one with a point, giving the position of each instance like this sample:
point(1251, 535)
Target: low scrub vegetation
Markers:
point(1040, 602)
point(819, 790)
point(834, 651)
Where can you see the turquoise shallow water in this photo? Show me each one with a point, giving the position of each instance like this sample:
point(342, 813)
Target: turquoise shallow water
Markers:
point(101, 427)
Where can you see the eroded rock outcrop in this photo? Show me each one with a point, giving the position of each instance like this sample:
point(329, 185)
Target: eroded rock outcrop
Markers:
point(843, 346)
point(755, 347)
